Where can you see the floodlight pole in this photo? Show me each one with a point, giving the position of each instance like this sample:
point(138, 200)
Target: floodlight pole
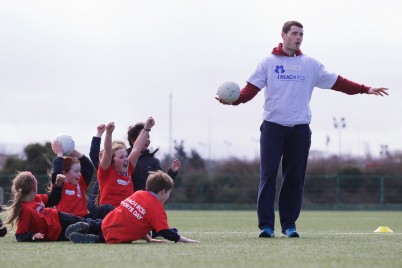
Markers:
point(170, 127)
point(341, 124)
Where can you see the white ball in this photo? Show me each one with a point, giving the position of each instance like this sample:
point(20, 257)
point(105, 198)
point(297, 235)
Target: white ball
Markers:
point(67, 143)
point(228, 92)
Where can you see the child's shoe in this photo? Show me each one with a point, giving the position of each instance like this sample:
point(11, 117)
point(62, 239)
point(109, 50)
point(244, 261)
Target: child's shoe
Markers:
point(79, 227)
point(83, 238)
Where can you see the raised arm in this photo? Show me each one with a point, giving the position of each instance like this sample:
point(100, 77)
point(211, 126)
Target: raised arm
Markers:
point(54, 196)
point(95, 145)
point(140, 141)
point(58, 161)
point(106, 160)
point(174, 168)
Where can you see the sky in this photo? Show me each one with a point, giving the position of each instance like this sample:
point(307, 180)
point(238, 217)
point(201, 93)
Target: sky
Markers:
point(68, 66)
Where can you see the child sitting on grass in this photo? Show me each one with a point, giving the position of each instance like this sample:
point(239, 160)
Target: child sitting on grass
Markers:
point(78, 170)
point(136, 216)
point(32, 212)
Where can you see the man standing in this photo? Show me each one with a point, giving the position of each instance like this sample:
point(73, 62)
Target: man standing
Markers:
point(289, 78)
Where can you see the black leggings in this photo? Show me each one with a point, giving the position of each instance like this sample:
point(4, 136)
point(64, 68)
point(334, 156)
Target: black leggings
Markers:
point(99, 212)
point(67, 219)
point(94, 219)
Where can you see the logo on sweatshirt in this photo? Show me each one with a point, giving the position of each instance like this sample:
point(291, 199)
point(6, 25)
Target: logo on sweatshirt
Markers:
point(122, 182)
point(280, 70)
point(41, 208)
point(69, 192)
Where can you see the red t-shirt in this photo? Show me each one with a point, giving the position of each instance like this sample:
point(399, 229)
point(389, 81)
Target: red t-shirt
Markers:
point(134, 218)
point(73, 198)
point(35, 218)
point(114, 187)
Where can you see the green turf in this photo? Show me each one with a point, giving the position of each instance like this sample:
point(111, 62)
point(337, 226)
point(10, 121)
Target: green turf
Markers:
point(229, 239)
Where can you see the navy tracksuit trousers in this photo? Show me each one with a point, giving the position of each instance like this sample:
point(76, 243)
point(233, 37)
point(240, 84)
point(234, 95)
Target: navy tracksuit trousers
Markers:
point(292, 145)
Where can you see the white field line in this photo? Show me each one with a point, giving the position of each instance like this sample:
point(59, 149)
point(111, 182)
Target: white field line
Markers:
point(301, 233)
point(366, 233)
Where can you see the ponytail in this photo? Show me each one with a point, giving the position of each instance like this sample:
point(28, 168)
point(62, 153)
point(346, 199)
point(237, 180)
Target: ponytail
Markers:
point(14, 209)
point(24, 184)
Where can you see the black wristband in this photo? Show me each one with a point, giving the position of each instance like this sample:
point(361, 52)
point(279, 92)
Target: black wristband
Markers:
point(146, 129)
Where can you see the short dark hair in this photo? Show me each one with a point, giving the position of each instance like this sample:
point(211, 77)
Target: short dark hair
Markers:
point(288, 24)
point(133, 132)
point(158, 181)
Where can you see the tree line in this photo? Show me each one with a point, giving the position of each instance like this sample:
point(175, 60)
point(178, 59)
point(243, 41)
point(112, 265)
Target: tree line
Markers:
point(235, 180)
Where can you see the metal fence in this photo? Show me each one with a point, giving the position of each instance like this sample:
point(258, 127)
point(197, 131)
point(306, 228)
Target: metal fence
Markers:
point(338, 192)
point(235, 191)
point(320, 192)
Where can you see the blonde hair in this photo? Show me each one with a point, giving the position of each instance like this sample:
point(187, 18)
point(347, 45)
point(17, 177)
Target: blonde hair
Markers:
point(117, 145)
point(23, 184)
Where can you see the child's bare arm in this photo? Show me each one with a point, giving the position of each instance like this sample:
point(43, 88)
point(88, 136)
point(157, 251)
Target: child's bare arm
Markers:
point(100, 129)
point(187, 240)
point(106, 159)
point(151, 240)
point(140, 141)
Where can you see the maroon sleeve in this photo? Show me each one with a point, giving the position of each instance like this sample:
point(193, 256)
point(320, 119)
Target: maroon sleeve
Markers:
point(346, 86)
point(246, 94)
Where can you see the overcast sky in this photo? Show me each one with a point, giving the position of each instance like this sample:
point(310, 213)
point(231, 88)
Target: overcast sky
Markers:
point(67, 66)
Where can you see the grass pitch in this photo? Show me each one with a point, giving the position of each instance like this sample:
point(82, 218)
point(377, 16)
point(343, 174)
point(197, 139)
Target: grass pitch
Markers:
point(230, 239)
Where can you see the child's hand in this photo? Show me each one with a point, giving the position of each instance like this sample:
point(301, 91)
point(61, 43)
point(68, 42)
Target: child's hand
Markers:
point(76, 154)
point(38, 236)
point(56, 147)
point(60, 178)
point(110, 127)
point(100, 129)
point(187, 240)
point(149, 123)
point(176, 165)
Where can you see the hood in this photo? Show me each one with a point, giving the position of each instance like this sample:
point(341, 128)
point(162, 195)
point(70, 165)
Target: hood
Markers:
point(278, 51)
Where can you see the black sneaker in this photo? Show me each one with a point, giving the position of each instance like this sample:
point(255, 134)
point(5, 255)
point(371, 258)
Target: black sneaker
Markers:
point(79, 227)
point(83, 238)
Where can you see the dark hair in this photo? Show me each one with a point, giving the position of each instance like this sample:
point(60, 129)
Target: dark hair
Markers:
point(288, 24)
point(158, 181)
point(134, 132)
